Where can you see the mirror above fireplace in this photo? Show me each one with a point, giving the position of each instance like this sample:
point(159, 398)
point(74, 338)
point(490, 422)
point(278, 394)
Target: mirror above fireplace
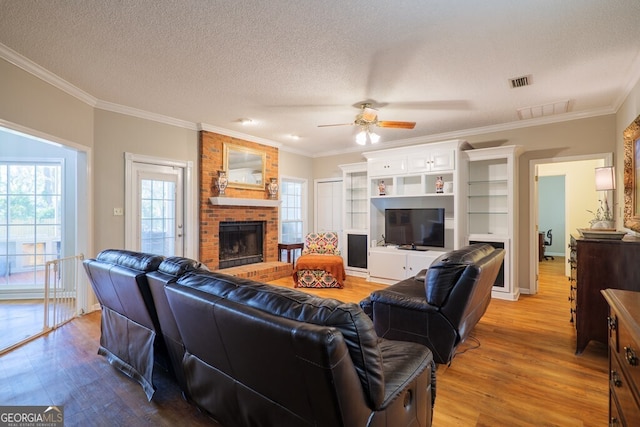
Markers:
point(245, 166)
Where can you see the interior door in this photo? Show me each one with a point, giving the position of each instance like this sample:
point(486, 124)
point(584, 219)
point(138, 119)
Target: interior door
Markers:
point(328, 206)
point(536, 220)
point(157, 224)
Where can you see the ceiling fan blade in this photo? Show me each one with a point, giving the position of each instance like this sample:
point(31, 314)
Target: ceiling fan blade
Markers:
point(398, 125)
point(338, 124)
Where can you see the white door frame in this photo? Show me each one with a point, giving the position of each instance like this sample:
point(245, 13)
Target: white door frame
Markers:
point(533, 209)
point(84, 206)
point(190, 219)
point(304, 205)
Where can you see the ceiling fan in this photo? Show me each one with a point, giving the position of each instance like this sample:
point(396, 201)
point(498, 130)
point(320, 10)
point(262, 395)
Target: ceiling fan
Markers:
point(368, 117)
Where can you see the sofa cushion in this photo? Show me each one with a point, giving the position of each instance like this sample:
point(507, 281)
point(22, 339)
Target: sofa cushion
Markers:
point(177, 266)
point(348, 318)
point(134, 260)
point(445, 271)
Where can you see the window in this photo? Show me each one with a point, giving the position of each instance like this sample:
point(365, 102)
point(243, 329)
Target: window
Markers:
point(292, 226)
point(157, 219)
point(30, 221)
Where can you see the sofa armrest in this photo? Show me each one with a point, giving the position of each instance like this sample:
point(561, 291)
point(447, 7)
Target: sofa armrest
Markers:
point(422, 274)
point(367, 306)
point(410, 381)
point(401, 300)
point(408, 293)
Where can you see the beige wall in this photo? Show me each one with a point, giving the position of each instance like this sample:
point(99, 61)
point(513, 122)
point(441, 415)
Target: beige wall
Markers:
point(116, 134)
point(627, 113)
point(293, 165)
point(31, 103)
point(567, 139)
point(327, 167)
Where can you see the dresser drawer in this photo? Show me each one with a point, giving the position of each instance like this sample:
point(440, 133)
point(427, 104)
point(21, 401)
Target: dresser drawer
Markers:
point(624, 369)
point(615, 415)
point(628, 352)
point(621, 392)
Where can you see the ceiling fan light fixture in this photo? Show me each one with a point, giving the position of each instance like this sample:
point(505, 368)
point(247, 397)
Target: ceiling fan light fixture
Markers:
point(374, 137)
point(361, 137)
point(369, 114)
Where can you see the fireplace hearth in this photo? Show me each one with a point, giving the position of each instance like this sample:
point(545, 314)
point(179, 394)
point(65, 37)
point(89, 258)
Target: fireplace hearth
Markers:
point(241, 243)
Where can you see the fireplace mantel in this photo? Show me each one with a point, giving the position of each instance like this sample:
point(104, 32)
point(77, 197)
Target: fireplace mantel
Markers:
point(237, 201)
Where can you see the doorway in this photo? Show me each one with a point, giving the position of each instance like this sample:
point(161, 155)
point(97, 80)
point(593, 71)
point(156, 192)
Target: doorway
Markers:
point(44, 204)
point(580, 197)
point(551, 214)
point(157, 201)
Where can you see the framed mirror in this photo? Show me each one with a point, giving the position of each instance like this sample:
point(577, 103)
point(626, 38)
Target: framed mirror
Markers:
point(245, 166)
point(631, 137)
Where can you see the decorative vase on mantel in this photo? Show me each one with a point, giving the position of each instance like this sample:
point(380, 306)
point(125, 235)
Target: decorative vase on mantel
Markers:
point(221, 182)
point(272, 188)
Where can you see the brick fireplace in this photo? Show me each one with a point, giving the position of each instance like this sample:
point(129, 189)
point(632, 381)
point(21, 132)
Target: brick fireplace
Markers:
point(239, 204)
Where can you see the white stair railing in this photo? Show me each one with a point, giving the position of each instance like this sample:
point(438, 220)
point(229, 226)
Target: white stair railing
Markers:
point(61, 290)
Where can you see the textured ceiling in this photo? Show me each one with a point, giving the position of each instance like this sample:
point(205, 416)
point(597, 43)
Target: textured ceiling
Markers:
point(293, 65)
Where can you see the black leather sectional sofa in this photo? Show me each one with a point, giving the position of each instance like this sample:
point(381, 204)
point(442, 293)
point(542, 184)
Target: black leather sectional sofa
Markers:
point(252, 354)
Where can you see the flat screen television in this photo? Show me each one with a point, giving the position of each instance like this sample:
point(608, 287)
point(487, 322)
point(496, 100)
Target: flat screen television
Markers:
point(415, 227)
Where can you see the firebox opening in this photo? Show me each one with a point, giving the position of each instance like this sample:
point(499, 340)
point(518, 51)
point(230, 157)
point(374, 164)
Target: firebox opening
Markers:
point(241, 243)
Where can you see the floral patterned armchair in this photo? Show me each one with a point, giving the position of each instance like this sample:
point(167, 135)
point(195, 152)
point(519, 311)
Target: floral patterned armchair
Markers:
point(320, 265)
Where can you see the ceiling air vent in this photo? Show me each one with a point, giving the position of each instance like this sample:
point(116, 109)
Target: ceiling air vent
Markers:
point(520, 81)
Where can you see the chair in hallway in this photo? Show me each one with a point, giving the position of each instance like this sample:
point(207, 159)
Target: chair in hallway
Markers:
point(548, 242)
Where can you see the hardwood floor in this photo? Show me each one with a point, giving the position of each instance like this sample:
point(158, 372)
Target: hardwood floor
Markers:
point(519, 370)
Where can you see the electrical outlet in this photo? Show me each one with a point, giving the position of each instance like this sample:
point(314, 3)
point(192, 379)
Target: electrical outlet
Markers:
point(118, 212)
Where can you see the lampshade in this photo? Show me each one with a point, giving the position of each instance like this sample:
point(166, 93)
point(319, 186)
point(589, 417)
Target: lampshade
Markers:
point(605, 178)
point(361, 137)
point(374, 137)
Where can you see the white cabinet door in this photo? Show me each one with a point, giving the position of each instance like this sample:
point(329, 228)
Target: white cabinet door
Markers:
point(418, 261)
point(386, 167)
point(387, 265)
point(439, 160)
point(443, 160)
point(419, 163)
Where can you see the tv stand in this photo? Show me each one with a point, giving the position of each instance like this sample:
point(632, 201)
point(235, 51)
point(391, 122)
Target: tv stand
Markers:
point(389, 265)
point(414, 248)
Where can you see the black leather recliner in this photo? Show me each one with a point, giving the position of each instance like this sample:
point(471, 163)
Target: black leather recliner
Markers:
point(129, 338)
point(169, 271)
point(440, 305)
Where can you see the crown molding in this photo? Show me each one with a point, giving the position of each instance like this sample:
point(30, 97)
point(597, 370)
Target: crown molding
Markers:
point(464, 133)
point(142, 114)
point(238, 135)
point(31, 67)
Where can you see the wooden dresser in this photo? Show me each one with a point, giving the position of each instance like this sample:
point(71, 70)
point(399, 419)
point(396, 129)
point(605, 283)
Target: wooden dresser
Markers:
point(624, 353)
point(602, 264)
